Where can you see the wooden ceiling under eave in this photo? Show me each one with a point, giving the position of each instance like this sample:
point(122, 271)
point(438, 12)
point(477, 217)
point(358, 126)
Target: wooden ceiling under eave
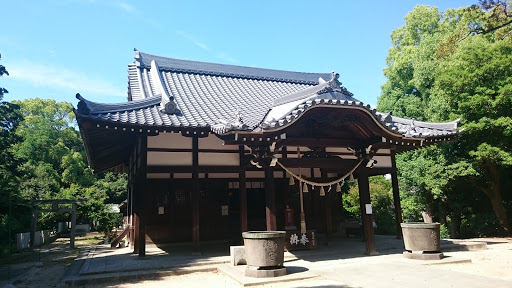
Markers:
point(108, 149)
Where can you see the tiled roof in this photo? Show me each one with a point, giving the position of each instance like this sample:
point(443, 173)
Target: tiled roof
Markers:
point(204, 93)
point(143, 60)
point(405, 127)
point(218, 96)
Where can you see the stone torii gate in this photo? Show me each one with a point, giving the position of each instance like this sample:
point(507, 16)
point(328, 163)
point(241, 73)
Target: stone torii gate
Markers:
point(55, 208)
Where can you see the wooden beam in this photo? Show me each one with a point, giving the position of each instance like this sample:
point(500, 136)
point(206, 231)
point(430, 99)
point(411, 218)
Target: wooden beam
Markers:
point(73, 227)
point(326, 163)
point(60, 201)
point(367, 219)
point(186, 150)
point(190, 169)
point(396, 197)
point(321, 142)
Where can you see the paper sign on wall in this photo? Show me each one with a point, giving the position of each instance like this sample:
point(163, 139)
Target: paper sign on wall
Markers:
point(224, 209)
point(368, 208)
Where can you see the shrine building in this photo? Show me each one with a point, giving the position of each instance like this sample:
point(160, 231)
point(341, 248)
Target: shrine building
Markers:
point(213, 150)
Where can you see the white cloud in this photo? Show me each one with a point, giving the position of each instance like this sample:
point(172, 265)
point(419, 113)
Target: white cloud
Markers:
point(125, 6)
point(221, 55)
point(193, 40)
point(226, 57)
point(40, 75)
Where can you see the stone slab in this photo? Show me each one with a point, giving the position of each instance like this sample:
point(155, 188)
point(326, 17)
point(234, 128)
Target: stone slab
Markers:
point(237, 273)
point(265, 273)
point(458, 245)
point(423, 256)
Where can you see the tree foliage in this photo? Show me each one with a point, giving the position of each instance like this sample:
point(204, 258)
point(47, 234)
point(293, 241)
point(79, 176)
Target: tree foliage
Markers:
point(382, 204)
point(42, 157)
point(436, 73)
point(13, 208)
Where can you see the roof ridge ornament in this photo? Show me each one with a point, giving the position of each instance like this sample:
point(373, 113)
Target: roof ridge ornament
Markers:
point(167, 105)
point(82, 105)
point(171, 107)
point(222, 126)
point(332, 86)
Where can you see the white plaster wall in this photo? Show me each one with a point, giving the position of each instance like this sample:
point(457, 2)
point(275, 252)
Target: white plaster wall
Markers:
point(169, 158)
point(222, 175)
point(182, 175)
point(220, 159)
point(382, 161)
point(213, 142)
point(158, 175)
point(170, 140)
point(255, 174)
point(305, 172)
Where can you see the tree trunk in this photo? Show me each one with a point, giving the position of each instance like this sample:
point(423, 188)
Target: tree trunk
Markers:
point(427, 217)
point(443, 211)
point(455, 228)
point(499, 209)
point(427, 214)
point(494, 194)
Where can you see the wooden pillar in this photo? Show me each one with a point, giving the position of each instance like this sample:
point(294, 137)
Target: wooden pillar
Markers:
point(243, 193)
point(327, 209)
point(195, 194)
point(140, 225)
point(140, 186)
point(136, 238)
point(142, 234)
point(73, 227)
point(130, 213)
point(270, 199)
point(396, 196)
point(367, 219)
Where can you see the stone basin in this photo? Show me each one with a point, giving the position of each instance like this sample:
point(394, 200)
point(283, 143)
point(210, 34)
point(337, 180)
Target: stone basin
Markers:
point(421, 237)
point(264, 249)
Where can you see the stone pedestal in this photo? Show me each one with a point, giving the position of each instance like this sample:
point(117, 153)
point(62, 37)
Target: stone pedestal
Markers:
point(237, 255)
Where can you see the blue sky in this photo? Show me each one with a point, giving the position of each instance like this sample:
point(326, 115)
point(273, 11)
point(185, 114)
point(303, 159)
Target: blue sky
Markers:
point(54, 49)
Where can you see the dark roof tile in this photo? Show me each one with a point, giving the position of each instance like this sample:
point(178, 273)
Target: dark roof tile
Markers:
point(206, 93)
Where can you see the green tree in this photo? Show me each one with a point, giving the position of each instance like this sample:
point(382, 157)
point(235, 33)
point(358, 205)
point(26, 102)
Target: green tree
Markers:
point(437, 73)
point(381, 195)
point(12, 205)
point(476, 82)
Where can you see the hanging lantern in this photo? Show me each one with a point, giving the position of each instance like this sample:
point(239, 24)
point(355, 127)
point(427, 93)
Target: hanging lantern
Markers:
point(322, 191)
point(338, 187)
point(351, 178)
point(292, 181)
point(305, 190)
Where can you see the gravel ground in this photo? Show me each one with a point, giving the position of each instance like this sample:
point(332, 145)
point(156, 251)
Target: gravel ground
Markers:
point(494, 262)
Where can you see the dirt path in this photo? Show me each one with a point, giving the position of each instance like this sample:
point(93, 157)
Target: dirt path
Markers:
point(44, 267)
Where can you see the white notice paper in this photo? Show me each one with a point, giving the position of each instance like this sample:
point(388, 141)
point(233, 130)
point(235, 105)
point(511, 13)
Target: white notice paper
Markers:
point(368, 208)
